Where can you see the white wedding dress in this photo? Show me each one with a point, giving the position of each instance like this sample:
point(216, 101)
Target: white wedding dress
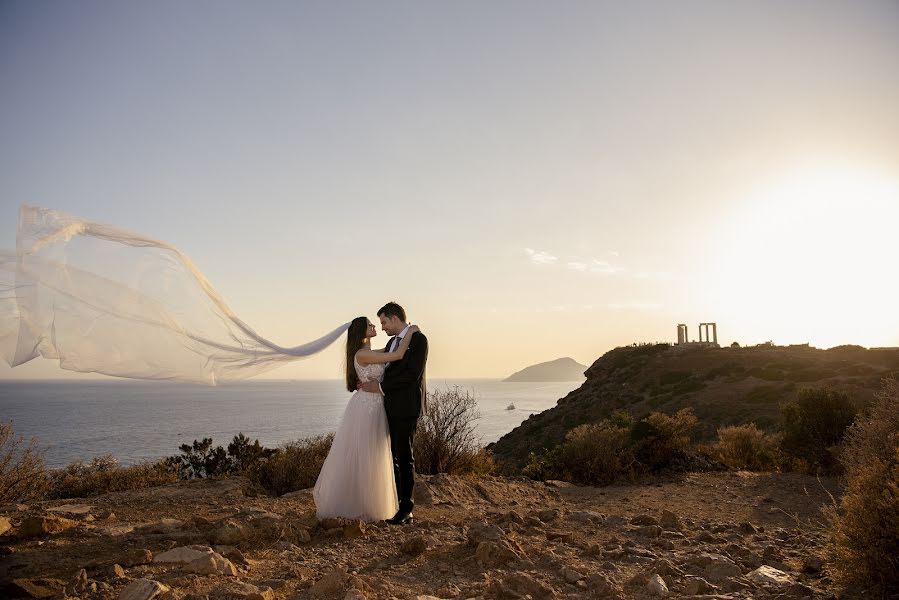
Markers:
point(356, 480)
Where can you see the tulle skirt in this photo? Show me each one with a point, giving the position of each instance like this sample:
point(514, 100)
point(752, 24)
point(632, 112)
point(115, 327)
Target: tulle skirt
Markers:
point(356, 480)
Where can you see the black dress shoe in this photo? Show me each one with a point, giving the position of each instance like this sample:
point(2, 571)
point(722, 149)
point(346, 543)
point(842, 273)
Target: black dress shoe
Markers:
point(401, 518)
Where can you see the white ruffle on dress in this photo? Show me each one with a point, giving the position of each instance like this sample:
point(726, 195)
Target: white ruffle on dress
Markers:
point(356, 480)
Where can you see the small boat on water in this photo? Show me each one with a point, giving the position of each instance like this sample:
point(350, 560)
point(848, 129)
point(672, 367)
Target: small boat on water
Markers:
point(511, 406)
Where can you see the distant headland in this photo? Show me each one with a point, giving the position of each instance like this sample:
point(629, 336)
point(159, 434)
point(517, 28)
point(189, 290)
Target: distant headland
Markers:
point(561, 369)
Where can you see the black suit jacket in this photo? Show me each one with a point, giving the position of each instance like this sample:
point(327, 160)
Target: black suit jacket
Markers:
point(404, 380)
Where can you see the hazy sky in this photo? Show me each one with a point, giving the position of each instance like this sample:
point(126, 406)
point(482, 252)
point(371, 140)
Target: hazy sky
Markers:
point(530, 180)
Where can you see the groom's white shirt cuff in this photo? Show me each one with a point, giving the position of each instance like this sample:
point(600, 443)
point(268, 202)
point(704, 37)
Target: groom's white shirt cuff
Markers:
point(399, 340)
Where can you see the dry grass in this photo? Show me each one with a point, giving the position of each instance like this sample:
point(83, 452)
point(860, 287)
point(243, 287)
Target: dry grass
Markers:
point(445, 441)
point(864, 542)
point(23, 476)
point(103, 474)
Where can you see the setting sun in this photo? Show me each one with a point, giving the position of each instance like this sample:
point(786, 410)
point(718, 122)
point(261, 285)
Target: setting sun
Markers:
point(805, 259)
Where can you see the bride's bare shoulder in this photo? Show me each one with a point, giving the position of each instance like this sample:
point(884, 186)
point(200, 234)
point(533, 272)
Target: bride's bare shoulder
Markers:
point(364, 355)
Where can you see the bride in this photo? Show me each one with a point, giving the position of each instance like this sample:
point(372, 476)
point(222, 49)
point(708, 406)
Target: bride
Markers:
point(356, 480)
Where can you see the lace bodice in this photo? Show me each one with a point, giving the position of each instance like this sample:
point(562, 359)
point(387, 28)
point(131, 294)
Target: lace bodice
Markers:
point(369, 372)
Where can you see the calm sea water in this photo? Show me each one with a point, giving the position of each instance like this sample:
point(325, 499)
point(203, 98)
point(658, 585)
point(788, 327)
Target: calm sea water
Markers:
point(137, 420)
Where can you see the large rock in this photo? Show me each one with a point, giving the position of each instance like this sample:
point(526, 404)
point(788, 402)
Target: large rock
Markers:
point(4, 525)
point(78, 511)
point(183, 554)
point(139, 556)
point(522, 585)
point(44, 525)
point(78, 584)
point(244, 591)
point(162, 526)
point(143, 589)
point(657, 586)
point(670, 521)
point(212, 564)
point(770, 576)
point(414, 545)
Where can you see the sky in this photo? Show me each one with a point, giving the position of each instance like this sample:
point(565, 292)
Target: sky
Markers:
point(530, 180)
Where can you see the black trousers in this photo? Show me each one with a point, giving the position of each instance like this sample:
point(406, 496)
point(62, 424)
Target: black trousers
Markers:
point(402, 432)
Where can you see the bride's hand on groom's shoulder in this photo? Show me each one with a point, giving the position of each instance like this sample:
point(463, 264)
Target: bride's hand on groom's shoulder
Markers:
point(414, 328)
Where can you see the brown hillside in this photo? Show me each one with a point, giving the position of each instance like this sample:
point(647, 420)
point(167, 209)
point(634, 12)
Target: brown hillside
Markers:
point(724, 386)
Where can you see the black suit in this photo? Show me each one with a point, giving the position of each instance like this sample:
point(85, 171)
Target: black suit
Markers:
point(404, 400)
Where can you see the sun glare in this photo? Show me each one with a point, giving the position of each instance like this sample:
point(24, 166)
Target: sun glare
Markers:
point(813, 259)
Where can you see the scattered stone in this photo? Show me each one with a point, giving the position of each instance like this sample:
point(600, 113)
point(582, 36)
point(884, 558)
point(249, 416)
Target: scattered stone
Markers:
point(670, 521)
point(571, 576)
point(78, 584)
point(141, 556)
point(697, 585)
point(5, 525)
point(11, 508)
point(585, 516)
point(6, 551)
point(513, 517)
point(354, 530)
point(720, 568)
point(422, 494)
point(44, 525)
point(549, 515)
point(770, 576)
point(520, 585)
point(72, 510)
point(532, 521)
point(303, 536)
point(229, 532)
point(212, 564)
point(615, 521)
point(35, 588)
point(747, 527)
point(481, 532)
point(115, 572)
point(644, 520)
point(245, 591)
point(492, 554)
point(288, 546)
point(414, 546)
point(143, 589)
point(657, 586)
point(812, 565)
point(559, 535)
point(330, 585)
point(355, 594)
point(652, 531)
point(161, 527)
point(183, 554)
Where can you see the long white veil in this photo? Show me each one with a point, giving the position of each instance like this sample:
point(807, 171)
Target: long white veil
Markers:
point(105, 300)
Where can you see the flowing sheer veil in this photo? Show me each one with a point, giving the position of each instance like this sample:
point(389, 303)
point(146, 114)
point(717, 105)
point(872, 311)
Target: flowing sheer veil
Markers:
point(105, 300)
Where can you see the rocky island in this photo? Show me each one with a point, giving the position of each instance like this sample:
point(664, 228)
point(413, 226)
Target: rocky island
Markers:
point(561, 369)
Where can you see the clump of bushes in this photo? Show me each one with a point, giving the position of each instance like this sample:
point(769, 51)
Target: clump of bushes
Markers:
point(294, 466)
point(445, 441)
point(200, 459)
point(617, 448)
point(22, 473)
point(104, 474)
point(814, 424)
point(748, 448)
point(864, 528)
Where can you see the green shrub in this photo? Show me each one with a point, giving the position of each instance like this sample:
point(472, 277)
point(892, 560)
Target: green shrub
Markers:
point(597, 454)
point(23, 476)
point(103, 474)
point(201, 459)
point(746, 447)
point(814, 425)
point(863, 544)
point(294, 465)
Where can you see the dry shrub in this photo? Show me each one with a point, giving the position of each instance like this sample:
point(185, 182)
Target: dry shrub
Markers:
point(814, 425)
point(864, 529)
point(659, 439)
point(294, 466)
point(22, 474)
point(103, 474)
point(597, 454)
point(445, 441)
point(746, 447)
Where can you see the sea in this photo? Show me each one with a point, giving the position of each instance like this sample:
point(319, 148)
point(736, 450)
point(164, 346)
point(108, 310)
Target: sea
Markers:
point(137, 421)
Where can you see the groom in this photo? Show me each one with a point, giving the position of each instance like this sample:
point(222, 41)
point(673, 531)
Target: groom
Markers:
point(404, 394)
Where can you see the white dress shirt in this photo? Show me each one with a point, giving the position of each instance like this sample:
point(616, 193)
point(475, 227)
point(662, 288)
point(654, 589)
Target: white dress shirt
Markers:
point(393, 346)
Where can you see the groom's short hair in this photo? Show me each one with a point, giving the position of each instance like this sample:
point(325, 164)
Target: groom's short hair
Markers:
point(392, 309)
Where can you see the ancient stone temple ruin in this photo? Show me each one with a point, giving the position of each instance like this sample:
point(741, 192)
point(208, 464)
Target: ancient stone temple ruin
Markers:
point(708, 334)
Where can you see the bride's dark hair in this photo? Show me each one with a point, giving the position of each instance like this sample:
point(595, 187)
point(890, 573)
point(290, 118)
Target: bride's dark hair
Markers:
point(355, 336)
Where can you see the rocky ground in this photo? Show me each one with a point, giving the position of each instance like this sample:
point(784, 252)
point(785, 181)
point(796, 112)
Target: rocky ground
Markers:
point(705, 535)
